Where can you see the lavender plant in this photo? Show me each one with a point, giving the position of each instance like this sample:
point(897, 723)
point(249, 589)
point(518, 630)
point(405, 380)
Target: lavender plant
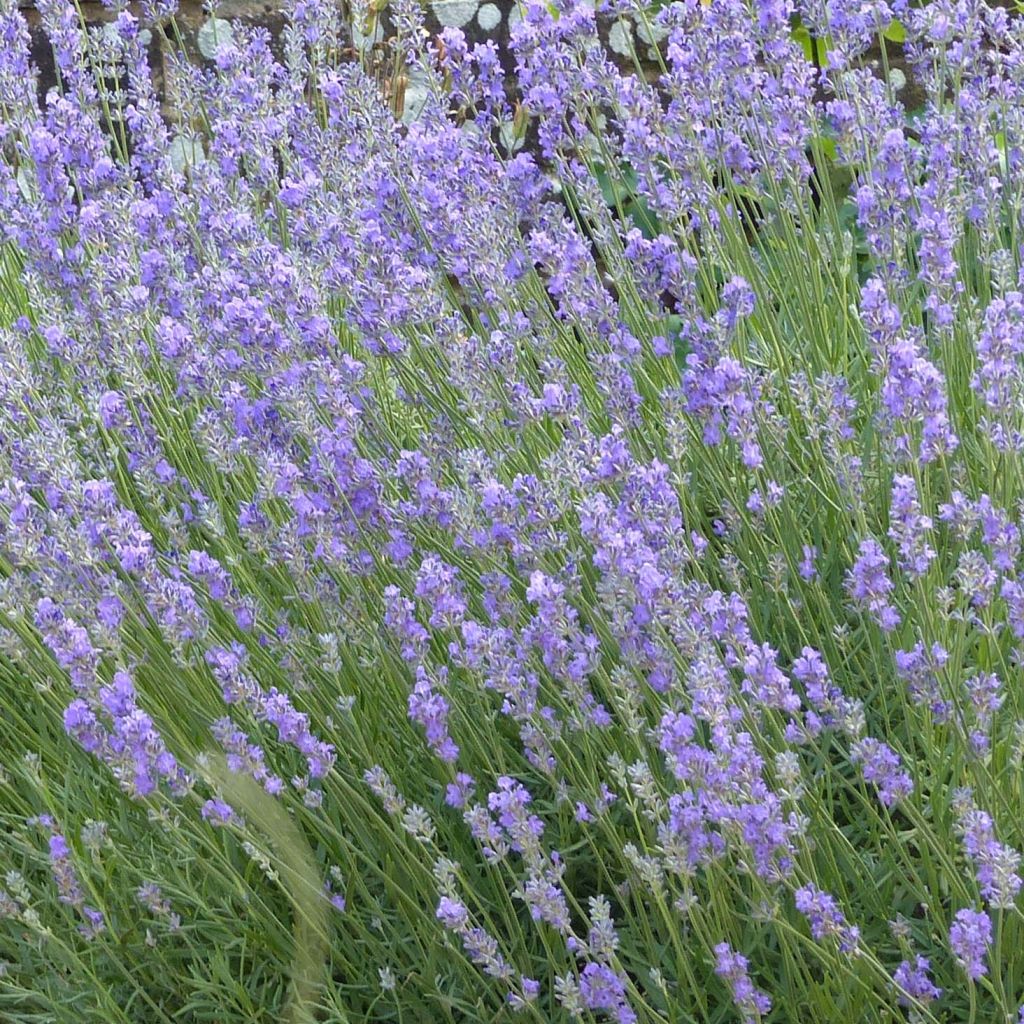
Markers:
point(435, 592)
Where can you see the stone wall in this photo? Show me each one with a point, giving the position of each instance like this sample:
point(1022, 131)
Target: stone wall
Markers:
point(479, 19)
point(190, 20)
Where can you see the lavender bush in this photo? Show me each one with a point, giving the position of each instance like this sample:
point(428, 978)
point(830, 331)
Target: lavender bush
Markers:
point(452, 580)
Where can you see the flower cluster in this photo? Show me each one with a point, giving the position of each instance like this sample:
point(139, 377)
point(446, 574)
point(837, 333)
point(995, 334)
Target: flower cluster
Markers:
point(578, 482)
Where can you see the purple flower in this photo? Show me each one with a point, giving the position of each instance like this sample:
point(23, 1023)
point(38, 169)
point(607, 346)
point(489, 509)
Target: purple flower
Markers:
point(808, 570)
point(825, 917)
point(210, 572)
point(509, 803)
point(995, 863)
point(400, 618)
point(110, 611)
point(93, 925)
point(429, 709)
point(919, 668)
point(1000, 376)
point(529, 991)
point(985, 699)
point(452, 914)
point(460, 792)
point(969, 938)
point(245, 757)
point(80, 721)
point(909, 528)
point(999, 532)
point(767, 682)
point(869, 585)
point(731, 967)
point(68, 883)
point(914, 980)
point(738, 300)
point(542, 893)
point(217, 812)
point(69, 888)
point(913, 389)
point(293, 728)
point(881, 766)
point(482, 949)
point(437, 585)
point(603, 990)
point(112, 409)
point(725, 397)
point(152, 899)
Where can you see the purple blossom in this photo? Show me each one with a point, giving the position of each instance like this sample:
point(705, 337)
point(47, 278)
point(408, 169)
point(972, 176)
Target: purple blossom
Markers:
point(460, 792)
point(202, 565)
point(811, 670)
point(217, 812)
point(999, 532)
point(453, 914)
point(738, 300)
point(970, 936)
point(909, 528)
point(68, 883)
point(603, 990)
point(429, 709)
point(919, 668)
point(1013, 594)
point(509, 803)
point(999, 379)
point(808, 569)
point(272, 706)
point(293, 727)
point(996, 864)
point(134, 746)
point(244, 756)
point(984, 693)
point(481, 947)
point(530, 991)
point(825, 917)
point(881, 766)
point(93, 925)
point(767, 682)
point(915, 981)
point(400, 617)
point(69, 888)
point(112, 409)
point(438, 586)
point(732, 967)
point(152, 899)
point(150, 896)
point(913, 389)
point(725, 397)
point(543, 894)
point(869, 585)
